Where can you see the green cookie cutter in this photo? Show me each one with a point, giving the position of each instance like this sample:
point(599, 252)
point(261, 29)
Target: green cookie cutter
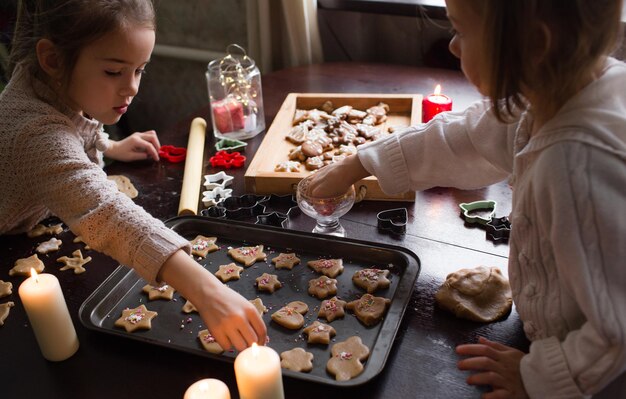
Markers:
point(230, 145)
point(468, 207)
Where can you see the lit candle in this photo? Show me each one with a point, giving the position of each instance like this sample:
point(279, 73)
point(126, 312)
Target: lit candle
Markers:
point(434, 104)
point(47, 311)
point(258, 373)
point(209, 388)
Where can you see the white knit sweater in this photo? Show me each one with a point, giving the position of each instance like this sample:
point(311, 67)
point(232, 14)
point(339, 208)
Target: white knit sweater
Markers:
point(567, 261)
point(49, 164)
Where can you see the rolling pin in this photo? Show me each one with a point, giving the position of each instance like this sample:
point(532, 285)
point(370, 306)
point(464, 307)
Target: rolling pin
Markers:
point(192, 179)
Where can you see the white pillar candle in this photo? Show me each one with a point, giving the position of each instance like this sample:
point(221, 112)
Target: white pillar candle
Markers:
point(258, 373)
point(209, 388)
point(47, 311)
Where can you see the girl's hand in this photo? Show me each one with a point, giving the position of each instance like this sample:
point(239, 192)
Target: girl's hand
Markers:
point(136, 147)
point(335, 179)
point(496, 365)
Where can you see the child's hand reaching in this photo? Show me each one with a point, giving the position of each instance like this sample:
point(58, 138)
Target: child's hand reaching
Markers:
point(335, 179)
point(497, 365)
point(136, 147)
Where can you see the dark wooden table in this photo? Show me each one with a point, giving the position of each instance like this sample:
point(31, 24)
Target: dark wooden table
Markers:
point(422, 362)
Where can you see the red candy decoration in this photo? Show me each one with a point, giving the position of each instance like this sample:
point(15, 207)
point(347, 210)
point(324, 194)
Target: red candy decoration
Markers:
point(227, 160)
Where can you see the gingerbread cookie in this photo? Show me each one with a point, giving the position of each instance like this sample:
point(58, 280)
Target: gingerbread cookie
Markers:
point(332, 309)
point(188, 307)
point(247, 255)
point(346, 359)
point(201, 245)
point(258, 304)
point(52, 244)
point(22, 266)
point(78, 239)
point(369, 309)
point(268, 282)
point(124, 185)
point(4, 311)
point(286, 260)
point(76, 262)
point(162, 292)
point(136, 319)
point(6, 289)
point(328, 267)
point(229, 272)
point(319, 333)
point(297, 359)
point(322, 287)
point(209, 343)
point(40, 230)
point(290, 316)
point(371, 279)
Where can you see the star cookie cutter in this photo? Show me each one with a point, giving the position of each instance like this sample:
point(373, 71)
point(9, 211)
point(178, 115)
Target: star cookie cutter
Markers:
point(216, 196)
point(393, 220)
point(219, 179)
point(230, 145)
point(278, 203)
point(216, 212)
point(272, 219)
point(498, 229)
point(172, 154)
point(468, 207)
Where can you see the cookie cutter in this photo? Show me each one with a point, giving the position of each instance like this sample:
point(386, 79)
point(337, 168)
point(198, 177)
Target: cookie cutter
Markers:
point(227, 160)
point(272, 219)
point(230, 145)
point(172, 154)
point(277, 203)
point(248, 205)
point(468, 207)
point(216, 196)
point(393, 220)
point(214, 211)
point(219, 179)
point(498, 229)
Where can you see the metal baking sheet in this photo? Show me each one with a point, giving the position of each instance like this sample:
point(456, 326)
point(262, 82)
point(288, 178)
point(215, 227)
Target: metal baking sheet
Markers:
point(173, 328)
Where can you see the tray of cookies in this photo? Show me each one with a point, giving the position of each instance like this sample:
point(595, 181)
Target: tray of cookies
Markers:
point(312, 130)
point(332, 305)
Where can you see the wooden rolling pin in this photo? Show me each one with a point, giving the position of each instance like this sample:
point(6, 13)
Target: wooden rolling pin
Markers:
point(192, 179)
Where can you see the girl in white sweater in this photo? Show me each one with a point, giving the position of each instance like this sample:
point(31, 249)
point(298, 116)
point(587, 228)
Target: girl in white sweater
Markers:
point(555, 126)
point(75, 65)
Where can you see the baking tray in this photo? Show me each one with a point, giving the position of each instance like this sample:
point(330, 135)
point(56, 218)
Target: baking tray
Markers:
point(175, 329)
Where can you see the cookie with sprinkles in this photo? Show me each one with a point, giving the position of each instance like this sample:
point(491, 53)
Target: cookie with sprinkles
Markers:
point(286, 260)
point(229, 272)
point(369, 309)
point(258, 304)
point(297, 359)
point(328, 267)
point(371, 280)
point(332, 309)
point(322, 287)
point(346, 361)
point(201, 245)
point(319, 333)
point(268, 282)
point(248, 255)
point(139, 318)
point(161, 292)
point(290, 315)
point(209, 343)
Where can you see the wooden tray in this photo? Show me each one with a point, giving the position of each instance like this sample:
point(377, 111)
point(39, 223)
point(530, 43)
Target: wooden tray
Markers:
point(260, 177)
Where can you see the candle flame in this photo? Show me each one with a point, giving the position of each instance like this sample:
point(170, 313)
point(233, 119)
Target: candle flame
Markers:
point(33, 274)
point(255, 349)
point(438, 89)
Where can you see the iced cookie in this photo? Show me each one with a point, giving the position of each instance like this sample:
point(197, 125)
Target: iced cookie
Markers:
point(201, 246)
point(297, 359)
point(78, 239)
point(346, 359)
point(328, 267)
point(4, 311)
point(229, 272)
point(290, 316)
point(124, 185)
point(322, 287)
point(6, 289)
point(76, 262)
point(480, 294)
point(22, 266)
point(139, 318)
point(258, 304)
point(332, 309)
point(268, 282)
point(319, 333)
point(247, 255)
point(209, 343)
point(369, 309)
point(162, 292)
point(40, 230)
point(188, 307)
point(52, 244)
point(286, 261)
point(371, 279)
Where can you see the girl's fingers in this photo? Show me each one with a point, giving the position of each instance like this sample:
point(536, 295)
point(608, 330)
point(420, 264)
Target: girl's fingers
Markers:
point(237, 340)
point(486, 378)
point(495, 345)
point(259, 328)
point(248, 334)
point(222, 339)
point(478, 363)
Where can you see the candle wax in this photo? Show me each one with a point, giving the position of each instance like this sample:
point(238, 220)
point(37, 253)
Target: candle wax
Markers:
point(434, 104)
point(258, 373)
point(209, 388)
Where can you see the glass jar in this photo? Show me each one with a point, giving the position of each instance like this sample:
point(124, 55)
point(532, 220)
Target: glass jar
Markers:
point(235, 95)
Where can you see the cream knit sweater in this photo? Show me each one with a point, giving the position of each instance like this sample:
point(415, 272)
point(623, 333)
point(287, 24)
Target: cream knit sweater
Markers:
point(49, 164)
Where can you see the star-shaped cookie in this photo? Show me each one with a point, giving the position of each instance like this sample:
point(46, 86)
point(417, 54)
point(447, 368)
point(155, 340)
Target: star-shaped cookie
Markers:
point(297, 359)
point(201, 245)
point(371, 280)
point(4, 311)
point(319, 333)
point(22, 266)
point(247, 255)
point(40, 230)
point(76, 262)
point(209, 343)
point(136, 319)
point(258, 304)
point(6, 288)
point(268, 282)
point(162, 292)
point(229, 272)
point(332, 309)
point(369, 309)
point(346, 358)
point(328, 267)
point(322, 287)
point(189, 307)
point(286, 260)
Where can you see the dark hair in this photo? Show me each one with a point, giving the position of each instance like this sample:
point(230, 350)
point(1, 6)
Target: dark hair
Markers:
point(71, 25)
point(580, 32)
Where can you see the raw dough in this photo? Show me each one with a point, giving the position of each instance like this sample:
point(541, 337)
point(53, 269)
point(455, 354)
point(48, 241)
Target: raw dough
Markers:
point(268, 282)
point(40, 230)
point(52, 244)
point(319, 333)
point(162, 292)
point(22, 266)
point(136, 319)
point(371, 280)
point(332, 309)
point(124, 185)
point(76, 262)
point(290, 316)
point(346, 357)
point(229, 272)
point(286, 261)
point(328, 267)
point(322, 287)
point(369, 309)
point(209, 343)
point(4, 311)
point(201, 245)
point(297, 359)
point(247, 255)
point(6, 289)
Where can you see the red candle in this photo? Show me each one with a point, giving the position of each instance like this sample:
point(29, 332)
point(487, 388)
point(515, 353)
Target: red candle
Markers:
point(434, 104)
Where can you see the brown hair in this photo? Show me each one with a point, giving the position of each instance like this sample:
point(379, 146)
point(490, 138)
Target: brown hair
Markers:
point(71, 25)
point(572, 36)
